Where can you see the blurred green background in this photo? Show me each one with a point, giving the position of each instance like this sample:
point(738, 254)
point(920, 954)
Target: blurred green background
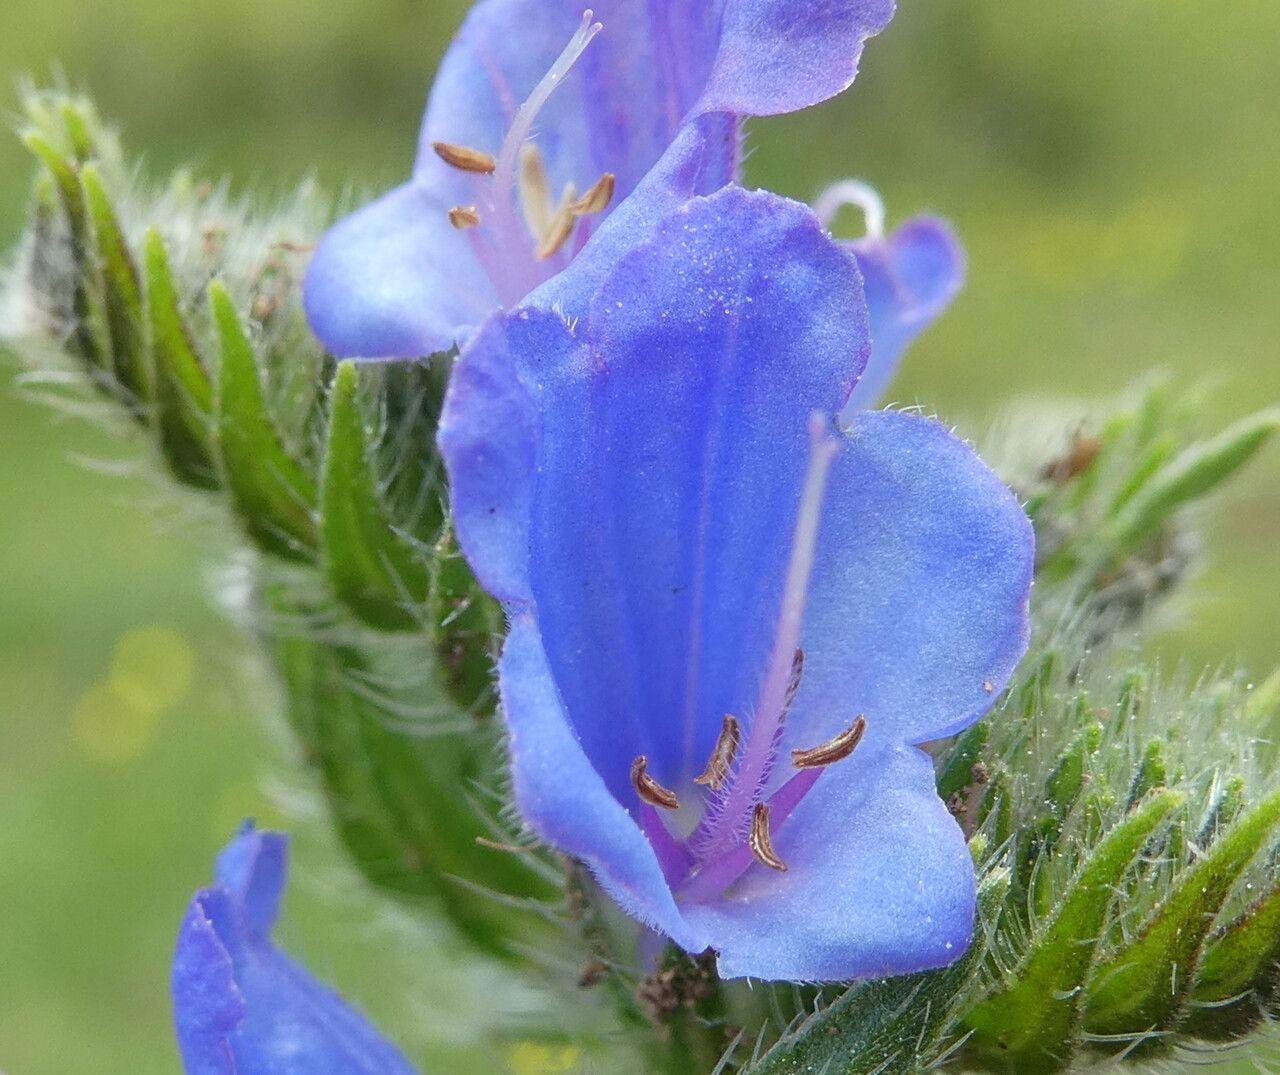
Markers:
point(1110, 164)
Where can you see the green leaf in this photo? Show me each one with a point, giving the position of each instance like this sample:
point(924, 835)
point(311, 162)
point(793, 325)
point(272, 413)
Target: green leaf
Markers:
point(122, 296)
point(1143, 987)
point(274, 496)
point(1241, 959)
point(379, 574)
point(890, 1025)
point(1195, 472)
point(89, 334)
point(183, 391)
point(1029, 1026)
point(397, 788)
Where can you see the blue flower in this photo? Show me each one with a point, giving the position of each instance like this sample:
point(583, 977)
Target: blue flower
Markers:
point(242, 1007)
point(910, 279)
point(512, 180)
point(732, 625)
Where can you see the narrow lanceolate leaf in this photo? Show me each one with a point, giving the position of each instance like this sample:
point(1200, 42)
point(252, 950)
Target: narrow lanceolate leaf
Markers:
point(271, 491)
point(1193, 473)
point(183, 391)
point(1030, 1024)
point(1143, 988)
point(379, 574)
point(122, 295)
point(888, 1026)
point(1242, 961)
point(89, 335)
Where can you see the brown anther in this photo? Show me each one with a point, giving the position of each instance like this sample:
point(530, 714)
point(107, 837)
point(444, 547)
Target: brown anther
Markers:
point(793, 685)
point(464, 158)
point(721, 760)
point(598, 197)
point(649, 789)
point(761, 841)
point(833, 750)
point(464, 216)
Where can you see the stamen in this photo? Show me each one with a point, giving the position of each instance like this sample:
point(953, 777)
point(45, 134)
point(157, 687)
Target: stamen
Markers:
point(856, 193)
point(650, 790)
point(793, 685)
point(721, 760)
point(598, 197)
point(785, 661)
point(535, 190)
point(761, 842)
point(833, 750)
point(464, 158)
point(464, 216)
point(502, 194)
point(561, 226)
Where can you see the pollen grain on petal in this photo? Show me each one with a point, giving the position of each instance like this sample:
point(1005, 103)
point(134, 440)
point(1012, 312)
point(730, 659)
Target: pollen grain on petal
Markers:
point(761, 840)
point(721, 760)
point(649, 789)
point(833, 750)
point(463, 217)
point(464, 158)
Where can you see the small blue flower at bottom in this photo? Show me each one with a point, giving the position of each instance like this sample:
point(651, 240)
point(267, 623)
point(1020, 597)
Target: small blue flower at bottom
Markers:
point(731, 625)
point(241, 1006)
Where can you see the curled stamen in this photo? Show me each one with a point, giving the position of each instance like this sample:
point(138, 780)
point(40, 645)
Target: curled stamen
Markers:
point(598, 197)
point(857, 193)
point(650, 790)
point(833, 750)
point(464, 158)
point(721, 760)
point(761, 841)
point(535, 190)
point(464, 216)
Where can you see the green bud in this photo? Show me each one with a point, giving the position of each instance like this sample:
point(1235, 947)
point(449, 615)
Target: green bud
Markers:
point(1029, 1024)
point(90, 337)
point(1152, 772)
point(1144, 985)
point(1242, 959)
point(274, 496)
point(1196, 471)
point(183, 392)
point(122, 297)
point(376, 571)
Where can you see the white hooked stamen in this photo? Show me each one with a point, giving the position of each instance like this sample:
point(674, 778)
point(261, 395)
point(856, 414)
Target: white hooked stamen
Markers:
point(856, 193)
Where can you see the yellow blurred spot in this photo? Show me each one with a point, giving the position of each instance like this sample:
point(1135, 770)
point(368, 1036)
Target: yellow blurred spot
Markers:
point(540, 1058)
point(108, 728)
point(151, 671)
point(152, 668)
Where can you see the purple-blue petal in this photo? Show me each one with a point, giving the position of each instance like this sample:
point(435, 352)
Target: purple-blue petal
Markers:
point(561, 795)
point(911, 278)
point(878, 882)
point(396, 280)
point(917, 610)
point(668, 454)
point(241, 1007)
point(778, 56)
